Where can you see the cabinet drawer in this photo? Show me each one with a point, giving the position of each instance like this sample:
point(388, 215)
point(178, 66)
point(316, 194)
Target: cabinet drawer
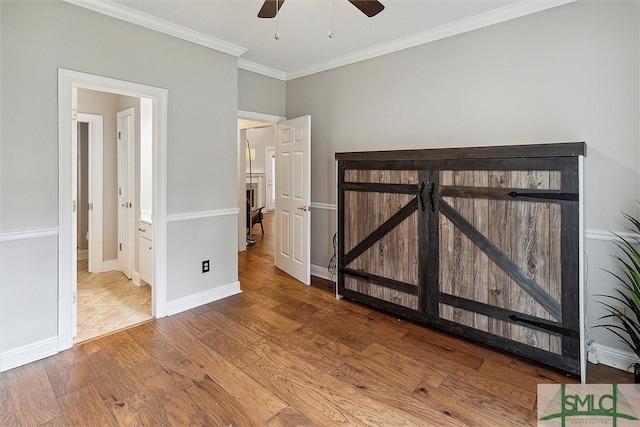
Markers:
point(146, 230)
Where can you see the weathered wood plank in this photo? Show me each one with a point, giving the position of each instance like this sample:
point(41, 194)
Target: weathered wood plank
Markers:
point(323, 399)
point(166, 355)
point(290, 417)
point(223, 408)
point(532, 288)
point(480, 278)
point(32, 394)
point(257, 399)
point(64, 372)
point(136, 410)
point(380, 391)
point(84, 406)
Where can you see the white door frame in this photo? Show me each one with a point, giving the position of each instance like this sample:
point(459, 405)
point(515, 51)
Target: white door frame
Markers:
point(126, 192)
point(242, 180)
point(96, 127)
point(270, 182)
point(68, 81)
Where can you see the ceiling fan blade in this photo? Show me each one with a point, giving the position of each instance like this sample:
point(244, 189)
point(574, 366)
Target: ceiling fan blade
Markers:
point(368, 7)
point(270, 8)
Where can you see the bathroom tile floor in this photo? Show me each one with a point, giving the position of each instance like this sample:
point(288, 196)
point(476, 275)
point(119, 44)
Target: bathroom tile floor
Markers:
point(108, 302)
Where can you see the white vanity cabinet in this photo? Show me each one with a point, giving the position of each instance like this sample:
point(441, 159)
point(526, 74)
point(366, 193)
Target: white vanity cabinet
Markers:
point(145, 245)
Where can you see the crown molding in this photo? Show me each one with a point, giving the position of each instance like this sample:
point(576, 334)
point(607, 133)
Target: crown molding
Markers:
point(261, 69)
point(118, 11)
point(516, 10)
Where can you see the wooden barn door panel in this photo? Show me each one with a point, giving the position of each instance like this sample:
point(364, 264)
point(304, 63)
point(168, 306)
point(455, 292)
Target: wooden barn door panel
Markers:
point(381, 252)
point(504, 280)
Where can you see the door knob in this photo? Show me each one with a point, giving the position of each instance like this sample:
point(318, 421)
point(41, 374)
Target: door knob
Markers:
point(304, 208)
point(126, 205)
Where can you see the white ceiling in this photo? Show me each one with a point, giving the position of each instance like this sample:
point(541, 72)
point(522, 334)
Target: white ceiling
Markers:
point(304, 46)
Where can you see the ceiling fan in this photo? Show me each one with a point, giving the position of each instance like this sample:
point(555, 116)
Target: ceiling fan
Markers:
point(370, 8)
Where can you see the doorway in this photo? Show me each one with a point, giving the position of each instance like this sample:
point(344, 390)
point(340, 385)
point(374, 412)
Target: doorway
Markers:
point(68, 84)
point(250, 120)
point(107, 299)
point(90, 165)
point(292, 223)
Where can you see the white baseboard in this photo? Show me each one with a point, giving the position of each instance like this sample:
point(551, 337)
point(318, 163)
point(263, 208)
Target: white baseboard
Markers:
point(109, 265)
point(196, 300)
point(614, 357)
point(321, 272)
point(29, 353)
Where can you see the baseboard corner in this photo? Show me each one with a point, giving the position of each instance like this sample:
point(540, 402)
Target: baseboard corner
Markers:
point(202, 298)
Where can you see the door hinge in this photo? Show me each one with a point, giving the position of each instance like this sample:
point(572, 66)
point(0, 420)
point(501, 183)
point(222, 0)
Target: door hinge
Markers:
point(90, 206)
point(75, 297)
point(119, 191)
point(119, 135)
point(120, 246)
point(74, 114)
point(74, 206)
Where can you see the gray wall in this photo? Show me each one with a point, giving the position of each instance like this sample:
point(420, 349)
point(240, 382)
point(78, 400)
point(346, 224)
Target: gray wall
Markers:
point(37, 39)
point(261, 94)
point(566, 74)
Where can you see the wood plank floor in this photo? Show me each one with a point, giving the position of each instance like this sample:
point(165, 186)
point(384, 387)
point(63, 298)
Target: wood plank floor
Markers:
point(278, 354)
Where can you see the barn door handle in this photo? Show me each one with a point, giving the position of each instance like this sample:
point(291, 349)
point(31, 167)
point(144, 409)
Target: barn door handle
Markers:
point(431, 191)
point(573, 197)
point(542, 325)
point(422, 195)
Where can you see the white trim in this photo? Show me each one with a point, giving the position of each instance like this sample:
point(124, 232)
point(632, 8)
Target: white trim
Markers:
point(614, 357)
point(321, 272)
point(595, 234)
point(132, 16)
point(261, 69)
point(512, 11)
point(581, 282)
point(324, 206)
point(186, 216)
point(196, 300)
point(252, 115)
point(110, 265)
point(28, 234)
point(28, 353)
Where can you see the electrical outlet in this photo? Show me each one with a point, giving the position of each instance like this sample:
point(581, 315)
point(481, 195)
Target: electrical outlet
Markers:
point(205, 266)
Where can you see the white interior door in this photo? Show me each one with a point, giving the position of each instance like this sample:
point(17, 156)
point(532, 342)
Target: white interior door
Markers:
point(293, 198)
point(126, 248)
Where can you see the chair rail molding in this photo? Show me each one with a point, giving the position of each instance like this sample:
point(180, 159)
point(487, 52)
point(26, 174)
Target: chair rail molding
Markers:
point(186, 216)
